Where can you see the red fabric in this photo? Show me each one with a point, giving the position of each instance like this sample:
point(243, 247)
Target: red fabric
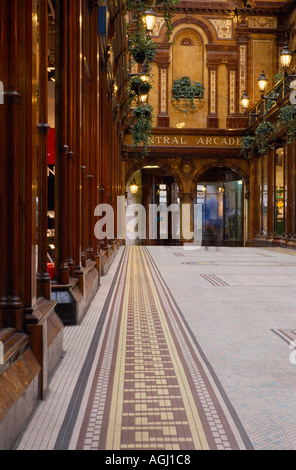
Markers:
point(50, 270)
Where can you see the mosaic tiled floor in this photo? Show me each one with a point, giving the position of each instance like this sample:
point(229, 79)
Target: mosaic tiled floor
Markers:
point(153, 389)
point(170, 354)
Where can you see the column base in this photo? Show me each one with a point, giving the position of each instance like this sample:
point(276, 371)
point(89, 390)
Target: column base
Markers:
point(74, 298)
point(22, 370)
point(45, 332)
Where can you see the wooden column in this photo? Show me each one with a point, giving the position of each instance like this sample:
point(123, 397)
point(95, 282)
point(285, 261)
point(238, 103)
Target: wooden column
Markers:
point(289, 183)
point(256, 199)
point(71, 136)
point(11, 304)
point(252, 202)
point(86, 135)
point(270, 198)
point(293, 176)
point(77, 160)
point(43, 278)
point(93, 130)
point(61, 180)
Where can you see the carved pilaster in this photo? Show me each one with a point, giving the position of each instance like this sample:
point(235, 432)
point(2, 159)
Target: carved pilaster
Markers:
point(243, 77)
point(163, 65)
point(213, 120)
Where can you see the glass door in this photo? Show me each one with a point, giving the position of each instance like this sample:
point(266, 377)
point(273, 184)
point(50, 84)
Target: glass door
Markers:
point(222, 212)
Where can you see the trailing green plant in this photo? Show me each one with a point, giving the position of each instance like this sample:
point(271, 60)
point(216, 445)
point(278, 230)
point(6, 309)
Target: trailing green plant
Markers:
point(269, 103)
point(142, 48)
point(277, 77)
point(186, 89)
point(264, 136)
point(142, 126)
point(287, 117)
point(138, 8)
point(169, 7)
point(248, 146)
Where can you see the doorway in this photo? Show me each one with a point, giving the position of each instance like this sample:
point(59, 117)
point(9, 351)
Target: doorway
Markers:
point(220, 200)
point(156, 187)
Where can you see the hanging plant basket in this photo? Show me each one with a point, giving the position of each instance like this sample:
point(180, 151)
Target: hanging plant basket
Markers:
point(187, 95)
point(143, 49)
point(139, 56)
point(144, 111)
point(140, 87)
point(142, 126)
point(188, 106)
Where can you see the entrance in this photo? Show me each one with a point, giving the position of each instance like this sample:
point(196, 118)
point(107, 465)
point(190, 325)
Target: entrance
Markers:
point(155, 187)
point(220, 198)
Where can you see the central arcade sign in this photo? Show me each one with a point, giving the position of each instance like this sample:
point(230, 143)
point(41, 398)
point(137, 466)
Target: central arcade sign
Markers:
point(188, 140)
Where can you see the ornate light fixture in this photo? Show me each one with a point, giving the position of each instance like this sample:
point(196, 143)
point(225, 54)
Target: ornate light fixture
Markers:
point(262, 82)
point(149, 20)
point(285, 58)
point(245, 101)
point(134, 187)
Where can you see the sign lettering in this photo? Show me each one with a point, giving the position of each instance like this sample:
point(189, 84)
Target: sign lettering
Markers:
point(191, 141)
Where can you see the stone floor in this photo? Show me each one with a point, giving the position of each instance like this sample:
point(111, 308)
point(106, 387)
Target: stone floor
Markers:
point(180, 349)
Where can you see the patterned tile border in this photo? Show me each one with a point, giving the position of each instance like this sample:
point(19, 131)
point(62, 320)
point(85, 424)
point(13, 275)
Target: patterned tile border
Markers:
point(153, 388)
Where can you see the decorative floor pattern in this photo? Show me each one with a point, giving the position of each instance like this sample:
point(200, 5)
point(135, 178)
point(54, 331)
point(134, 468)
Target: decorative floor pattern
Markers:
point(214, 280)
point(287, 335)
point(153, 388)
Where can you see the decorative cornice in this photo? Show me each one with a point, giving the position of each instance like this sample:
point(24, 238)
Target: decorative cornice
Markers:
point(229, 7)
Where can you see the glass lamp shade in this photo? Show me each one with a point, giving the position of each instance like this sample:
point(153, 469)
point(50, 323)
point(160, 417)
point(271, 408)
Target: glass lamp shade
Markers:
point(262, 82)
point(149, 20)
point(285, 57)
point(134, 187)
point(245, 100)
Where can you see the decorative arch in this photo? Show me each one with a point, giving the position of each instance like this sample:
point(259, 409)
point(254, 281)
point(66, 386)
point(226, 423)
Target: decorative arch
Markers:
point(186, 37)
point(218, 163)
point(187, 24)
point(159, 162)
